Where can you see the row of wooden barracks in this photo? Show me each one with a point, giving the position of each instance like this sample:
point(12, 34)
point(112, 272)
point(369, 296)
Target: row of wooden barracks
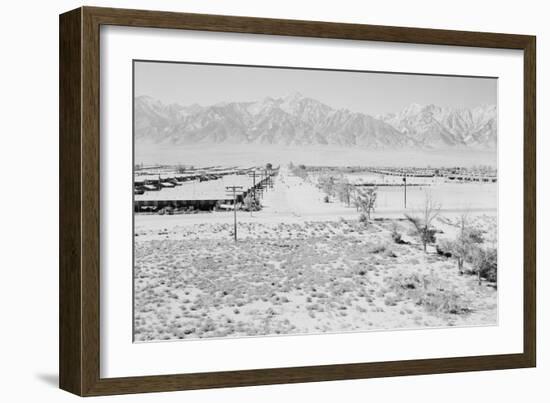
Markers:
point(156, 191)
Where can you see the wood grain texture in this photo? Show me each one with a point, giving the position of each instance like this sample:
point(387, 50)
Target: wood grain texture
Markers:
point(70, 271)
point(90, 203)
point(80, 201)
point(316, 29)
point(530, 202)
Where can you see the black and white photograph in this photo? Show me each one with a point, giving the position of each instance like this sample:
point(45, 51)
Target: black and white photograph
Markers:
point(271, 201)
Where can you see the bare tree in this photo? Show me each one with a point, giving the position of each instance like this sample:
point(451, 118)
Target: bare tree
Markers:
point(465, 243)
point(423, 221)
point(327, 184)
point(344, 189)
point(364, 201)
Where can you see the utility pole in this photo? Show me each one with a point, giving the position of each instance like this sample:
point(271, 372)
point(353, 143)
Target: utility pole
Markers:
point(253, 176)
point(254, 184)
point(234, 190)
point(266, 180)
point(261, 184)
point(405, 192)
point(269, 179)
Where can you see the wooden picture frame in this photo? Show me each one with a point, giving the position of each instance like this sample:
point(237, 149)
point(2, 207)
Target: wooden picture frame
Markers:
point(79, 348)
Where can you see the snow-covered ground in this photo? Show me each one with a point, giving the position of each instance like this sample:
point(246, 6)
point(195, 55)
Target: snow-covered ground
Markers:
point(300, 265)
point(294, 200)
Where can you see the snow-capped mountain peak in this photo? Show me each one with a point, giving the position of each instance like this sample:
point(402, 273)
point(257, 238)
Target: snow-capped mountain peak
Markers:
point(299, 120)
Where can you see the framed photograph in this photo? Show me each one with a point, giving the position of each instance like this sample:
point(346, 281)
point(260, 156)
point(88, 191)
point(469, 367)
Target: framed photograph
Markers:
point(249, 201)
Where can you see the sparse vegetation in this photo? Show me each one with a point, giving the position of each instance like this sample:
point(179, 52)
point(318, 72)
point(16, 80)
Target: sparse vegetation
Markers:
point(206, 275)
point(484, 262)
point(465, 246)
point(364, 201)
point(423, 223)
point(431, 292)
point(468, 248)
point(299, 171)
point(327, 184)
point(251, 203)
point(318, 269)
point(396, 235)
point(345, 190)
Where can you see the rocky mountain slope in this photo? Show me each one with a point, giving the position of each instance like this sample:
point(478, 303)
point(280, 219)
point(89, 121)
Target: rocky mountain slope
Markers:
point(302, 121)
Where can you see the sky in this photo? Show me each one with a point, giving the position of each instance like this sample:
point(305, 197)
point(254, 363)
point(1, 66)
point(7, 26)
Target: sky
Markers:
point(367, 92)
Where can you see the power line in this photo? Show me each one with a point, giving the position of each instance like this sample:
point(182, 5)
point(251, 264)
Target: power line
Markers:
point(234, 189)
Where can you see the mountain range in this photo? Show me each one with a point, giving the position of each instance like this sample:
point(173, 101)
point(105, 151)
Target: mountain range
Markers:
point(297, 120)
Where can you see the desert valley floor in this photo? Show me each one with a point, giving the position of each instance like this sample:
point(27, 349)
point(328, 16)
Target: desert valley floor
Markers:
point(300, 266)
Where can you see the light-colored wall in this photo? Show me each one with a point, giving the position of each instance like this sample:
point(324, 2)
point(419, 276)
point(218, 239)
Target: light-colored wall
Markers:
point(29, 146)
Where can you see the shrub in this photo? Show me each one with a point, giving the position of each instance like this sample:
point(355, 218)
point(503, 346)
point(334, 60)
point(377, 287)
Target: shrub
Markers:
point(443, 301)
point(396, 235)
point(251, 203)
point(377, 249)
point(391, 299)
point(465, 246)
point(299, 171)
point(444, 248)
point(485, 264)
point(430, 292)
point(410, 282)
